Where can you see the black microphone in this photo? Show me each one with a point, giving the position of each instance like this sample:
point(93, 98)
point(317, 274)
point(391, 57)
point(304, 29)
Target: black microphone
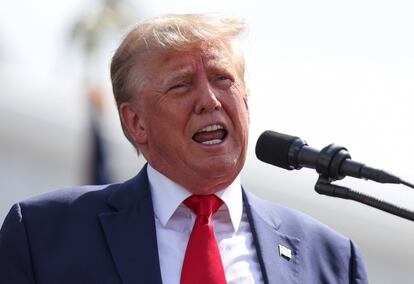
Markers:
point(332, 162)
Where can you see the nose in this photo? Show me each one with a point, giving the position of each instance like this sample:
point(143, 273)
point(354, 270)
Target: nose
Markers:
point(206, 100)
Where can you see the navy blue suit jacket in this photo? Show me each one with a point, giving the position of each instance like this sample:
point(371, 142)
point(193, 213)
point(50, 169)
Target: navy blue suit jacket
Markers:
point(106, 234)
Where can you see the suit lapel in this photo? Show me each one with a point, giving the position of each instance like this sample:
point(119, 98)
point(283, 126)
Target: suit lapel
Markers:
point(130, 232)
point(276, 266)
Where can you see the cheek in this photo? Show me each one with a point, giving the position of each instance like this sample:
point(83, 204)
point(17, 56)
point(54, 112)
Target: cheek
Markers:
point(243, 109)
point(244, 106)
point(244, 118)
point(239, 115)
point(169, 124)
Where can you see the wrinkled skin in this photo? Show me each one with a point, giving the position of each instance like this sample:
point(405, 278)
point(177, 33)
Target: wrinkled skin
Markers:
point(180, 93)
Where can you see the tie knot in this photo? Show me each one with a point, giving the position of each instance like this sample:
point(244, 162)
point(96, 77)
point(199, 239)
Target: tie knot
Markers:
point(203, 205)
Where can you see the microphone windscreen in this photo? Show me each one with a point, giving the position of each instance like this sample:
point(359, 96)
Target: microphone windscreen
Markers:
point(273, 148)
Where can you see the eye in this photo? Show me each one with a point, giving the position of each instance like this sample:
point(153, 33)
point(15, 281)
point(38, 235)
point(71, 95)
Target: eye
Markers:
point(223, 81)
point(222, 77)
point(179, 88)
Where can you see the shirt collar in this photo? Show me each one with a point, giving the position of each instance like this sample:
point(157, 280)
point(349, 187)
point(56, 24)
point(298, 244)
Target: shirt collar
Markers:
point(168, 195)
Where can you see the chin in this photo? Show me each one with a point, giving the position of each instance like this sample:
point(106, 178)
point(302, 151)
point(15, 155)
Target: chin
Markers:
point(219, 167)
point(221, 171)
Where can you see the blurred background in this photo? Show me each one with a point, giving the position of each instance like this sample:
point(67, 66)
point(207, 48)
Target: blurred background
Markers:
point(327, 71)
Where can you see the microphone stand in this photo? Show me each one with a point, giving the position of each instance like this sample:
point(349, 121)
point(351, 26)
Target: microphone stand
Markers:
point(328, 167)
point(324, 186)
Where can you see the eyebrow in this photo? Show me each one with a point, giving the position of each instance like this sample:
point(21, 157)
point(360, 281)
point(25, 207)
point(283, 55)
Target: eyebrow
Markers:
point(177, 75)
point(220, 64)
point(218, 61)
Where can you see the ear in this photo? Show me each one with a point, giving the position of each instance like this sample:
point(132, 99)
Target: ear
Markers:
point(133, 122)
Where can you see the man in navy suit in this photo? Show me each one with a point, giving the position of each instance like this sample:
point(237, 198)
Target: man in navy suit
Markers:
point(178, 82)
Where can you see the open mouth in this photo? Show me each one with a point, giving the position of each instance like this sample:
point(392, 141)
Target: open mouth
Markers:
point(210, 135)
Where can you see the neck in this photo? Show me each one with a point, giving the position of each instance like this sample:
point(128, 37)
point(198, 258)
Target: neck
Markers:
point(199, 185)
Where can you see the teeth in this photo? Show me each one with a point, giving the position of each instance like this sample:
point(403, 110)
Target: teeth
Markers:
point(212, 142)
point(209, 128)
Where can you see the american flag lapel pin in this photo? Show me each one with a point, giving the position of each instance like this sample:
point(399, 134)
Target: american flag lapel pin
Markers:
point(285, 252)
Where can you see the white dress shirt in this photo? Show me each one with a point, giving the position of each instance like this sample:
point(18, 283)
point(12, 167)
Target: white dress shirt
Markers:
point(174, 222)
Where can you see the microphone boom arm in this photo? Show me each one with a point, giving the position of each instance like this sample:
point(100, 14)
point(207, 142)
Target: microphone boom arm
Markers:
point(329, 164)
point(324, 186)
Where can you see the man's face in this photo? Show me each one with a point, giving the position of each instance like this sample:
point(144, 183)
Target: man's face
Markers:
point(192, 117)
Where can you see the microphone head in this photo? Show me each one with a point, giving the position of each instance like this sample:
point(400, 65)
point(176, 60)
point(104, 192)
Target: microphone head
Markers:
point(273, 148)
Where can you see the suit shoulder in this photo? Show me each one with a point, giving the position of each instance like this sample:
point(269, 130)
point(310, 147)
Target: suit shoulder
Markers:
point(64, 195)
point(67, 195)
point(338, 257)
point(293, 222)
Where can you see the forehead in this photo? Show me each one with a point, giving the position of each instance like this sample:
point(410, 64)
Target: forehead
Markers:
point(156, 67)
point(173, 61)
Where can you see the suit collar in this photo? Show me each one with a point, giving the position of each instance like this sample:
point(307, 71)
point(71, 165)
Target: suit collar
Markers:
point(167, 196)
point(130, 231)
point(265, 224)
point(131, 191)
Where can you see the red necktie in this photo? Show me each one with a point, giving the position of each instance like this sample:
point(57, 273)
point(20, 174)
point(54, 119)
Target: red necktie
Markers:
point(202, 261)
